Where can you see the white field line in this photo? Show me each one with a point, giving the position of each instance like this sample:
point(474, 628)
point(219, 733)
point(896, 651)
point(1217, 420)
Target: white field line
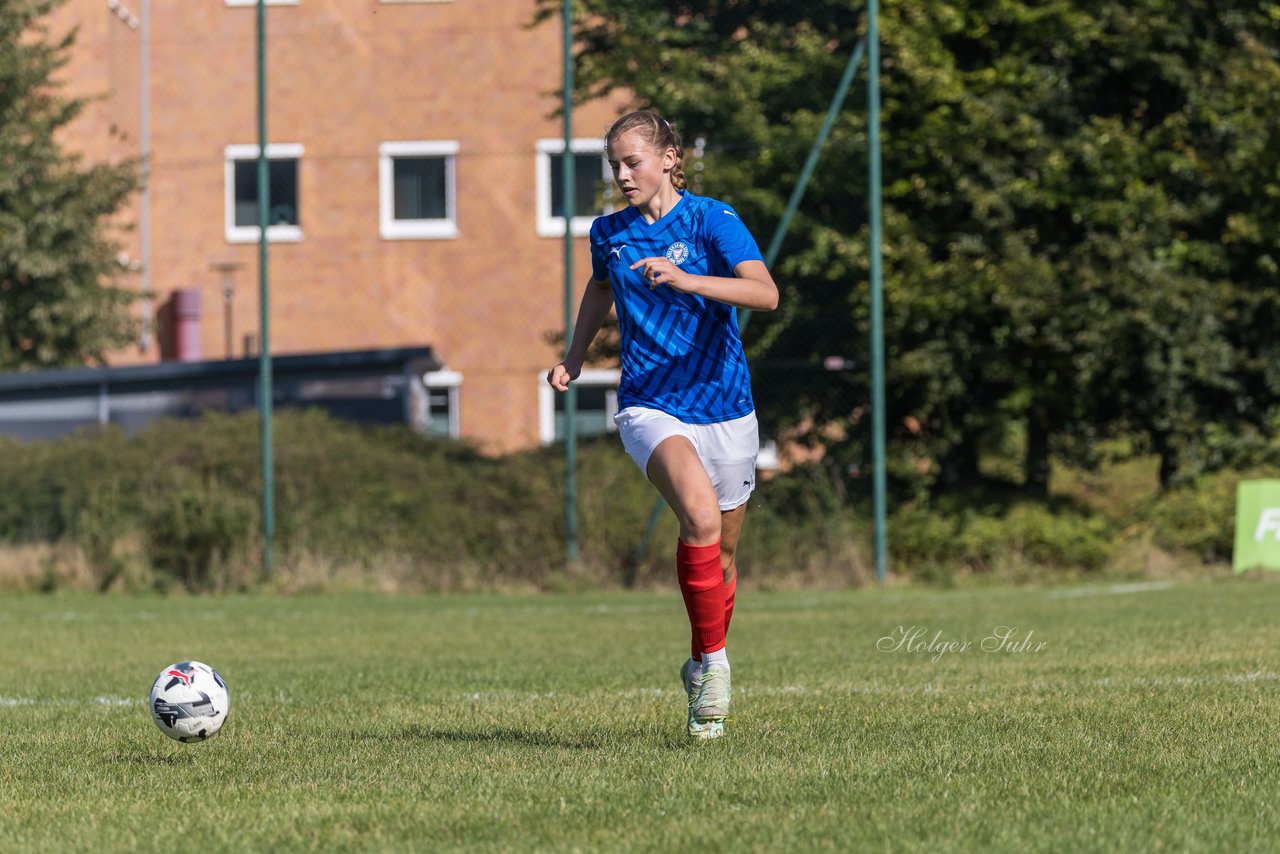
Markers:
point(1111, 590)
point(49, 702)
point(873, 688)
point(882, 689)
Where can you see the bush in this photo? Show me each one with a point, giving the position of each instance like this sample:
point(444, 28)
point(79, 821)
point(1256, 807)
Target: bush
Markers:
point(969, 534)
point(381, 507)
point(1199, 517)
point(352, 498)
point(199, 534)
point(804, 527)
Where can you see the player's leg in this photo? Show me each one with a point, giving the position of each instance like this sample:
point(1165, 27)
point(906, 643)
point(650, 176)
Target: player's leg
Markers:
point(676, 470)
point(729, 450)
point(650, 438)
point(730, 531)
point(678, 473)
point(728, 453)
point(692, 670)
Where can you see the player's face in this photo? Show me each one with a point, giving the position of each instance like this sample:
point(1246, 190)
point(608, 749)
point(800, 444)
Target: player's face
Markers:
point(640, 172)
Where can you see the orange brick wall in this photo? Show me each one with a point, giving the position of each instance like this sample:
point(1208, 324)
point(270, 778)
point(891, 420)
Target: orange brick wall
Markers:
point(344, 77)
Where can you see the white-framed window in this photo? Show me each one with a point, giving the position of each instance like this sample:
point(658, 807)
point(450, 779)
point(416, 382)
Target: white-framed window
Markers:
point(418, 189)
point(597, 404)
point(283, 222)
point(443, 413)
point(593, 185)
point(255, 2)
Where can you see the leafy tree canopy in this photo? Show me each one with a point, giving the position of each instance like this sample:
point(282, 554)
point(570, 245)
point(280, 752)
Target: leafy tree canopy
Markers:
point(1082, 233)
point(58, 303)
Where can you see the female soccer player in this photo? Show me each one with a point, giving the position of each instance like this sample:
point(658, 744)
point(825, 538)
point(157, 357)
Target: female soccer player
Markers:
point(677, 267)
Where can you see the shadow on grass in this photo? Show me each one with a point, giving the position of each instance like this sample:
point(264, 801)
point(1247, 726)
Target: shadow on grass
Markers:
point(495, 735)
point(144, 757)
point(665, 739)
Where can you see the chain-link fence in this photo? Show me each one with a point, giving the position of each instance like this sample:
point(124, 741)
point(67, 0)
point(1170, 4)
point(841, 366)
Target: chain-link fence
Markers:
point(415, 209)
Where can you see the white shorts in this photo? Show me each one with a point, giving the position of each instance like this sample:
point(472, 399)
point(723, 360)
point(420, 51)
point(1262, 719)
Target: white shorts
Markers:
point(728, 449)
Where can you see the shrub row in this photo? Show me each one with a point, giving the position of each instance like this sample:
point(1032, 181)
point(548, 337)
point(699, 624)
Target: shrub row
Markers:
point(178, 505)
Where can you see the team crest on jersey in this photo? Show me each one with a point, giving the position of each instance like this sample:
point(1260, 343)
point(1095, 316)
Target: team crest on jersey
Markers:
point(678, 252)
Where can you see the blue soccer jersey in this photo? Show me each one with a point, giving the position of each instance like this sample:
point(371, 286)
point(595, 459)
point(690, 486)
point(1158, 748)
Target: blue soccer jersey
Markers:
point(681, 353)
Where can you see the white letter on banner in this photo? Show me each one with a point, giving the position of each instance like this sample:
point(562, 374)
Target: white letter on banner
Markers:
point(1268, 521)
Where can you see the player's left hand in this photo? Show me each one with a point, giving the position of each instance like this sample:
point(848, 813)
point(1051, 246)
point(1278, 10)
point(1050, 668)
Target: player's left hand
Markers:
point(660, 271)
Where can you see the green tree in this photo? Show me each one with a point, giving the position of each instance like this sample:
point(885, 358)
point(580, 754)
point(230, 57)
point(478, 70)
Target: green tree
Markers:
point(58, 301)
point(1071, 250)
point(1081, 224)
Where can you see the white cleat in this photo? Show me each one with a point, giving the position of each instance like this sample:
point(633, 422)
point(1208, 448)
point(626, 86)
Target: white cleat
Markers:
point(709, 706)
point(689, 673)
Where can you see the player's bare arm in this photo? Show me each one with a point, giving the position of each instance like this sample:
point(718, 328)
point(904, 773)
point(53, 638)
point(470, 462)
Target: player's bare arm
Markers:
point(751, 286)
point(597, 299)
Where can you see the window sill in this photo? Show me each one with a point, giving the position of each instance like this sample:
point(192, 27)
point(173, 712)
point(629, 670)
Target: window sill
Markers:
point(275, 234)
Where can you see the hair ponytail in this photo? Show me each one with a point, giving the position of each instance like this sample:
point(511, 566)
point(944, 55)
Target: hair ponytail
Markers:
point(677, 172)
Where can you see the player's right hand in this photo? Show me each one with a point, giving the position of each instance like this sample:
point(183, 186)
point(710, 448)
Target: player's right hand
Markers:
point(559, 377)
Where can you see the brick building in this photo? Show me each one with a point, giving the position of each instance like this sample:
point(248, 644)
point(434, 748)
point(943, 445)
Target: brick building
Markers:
point(414, 160)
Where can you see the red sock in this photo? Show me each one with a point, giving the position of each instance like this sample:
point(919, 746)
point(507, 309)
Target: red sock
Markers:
point(730, 588)
point(702, 585)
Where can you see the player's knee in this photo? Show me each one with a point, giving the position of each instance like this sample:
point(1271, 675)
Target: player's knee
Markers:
point(700, 525)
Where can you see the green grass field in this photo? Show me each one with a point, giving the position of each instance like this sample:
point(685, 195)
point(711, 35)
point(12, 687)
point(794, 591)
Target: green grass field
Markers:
point(1133, 718)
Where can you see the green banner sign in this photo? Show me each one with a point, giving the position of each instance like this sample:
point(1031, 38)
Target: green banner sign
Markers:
point(1257, 525)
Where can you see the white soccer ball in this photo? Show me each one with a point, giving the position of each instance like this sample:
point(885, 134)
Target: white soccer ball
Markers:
point(189, 701)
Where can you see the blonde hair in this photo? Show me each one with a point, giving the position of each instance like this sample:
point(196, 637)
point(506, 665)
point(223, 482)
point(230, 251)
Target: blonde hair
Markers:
point(659, 133)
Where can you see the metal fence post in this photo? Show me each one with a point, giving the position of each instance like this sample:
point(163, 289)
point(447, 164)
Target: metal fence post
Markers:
point(265, 394)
